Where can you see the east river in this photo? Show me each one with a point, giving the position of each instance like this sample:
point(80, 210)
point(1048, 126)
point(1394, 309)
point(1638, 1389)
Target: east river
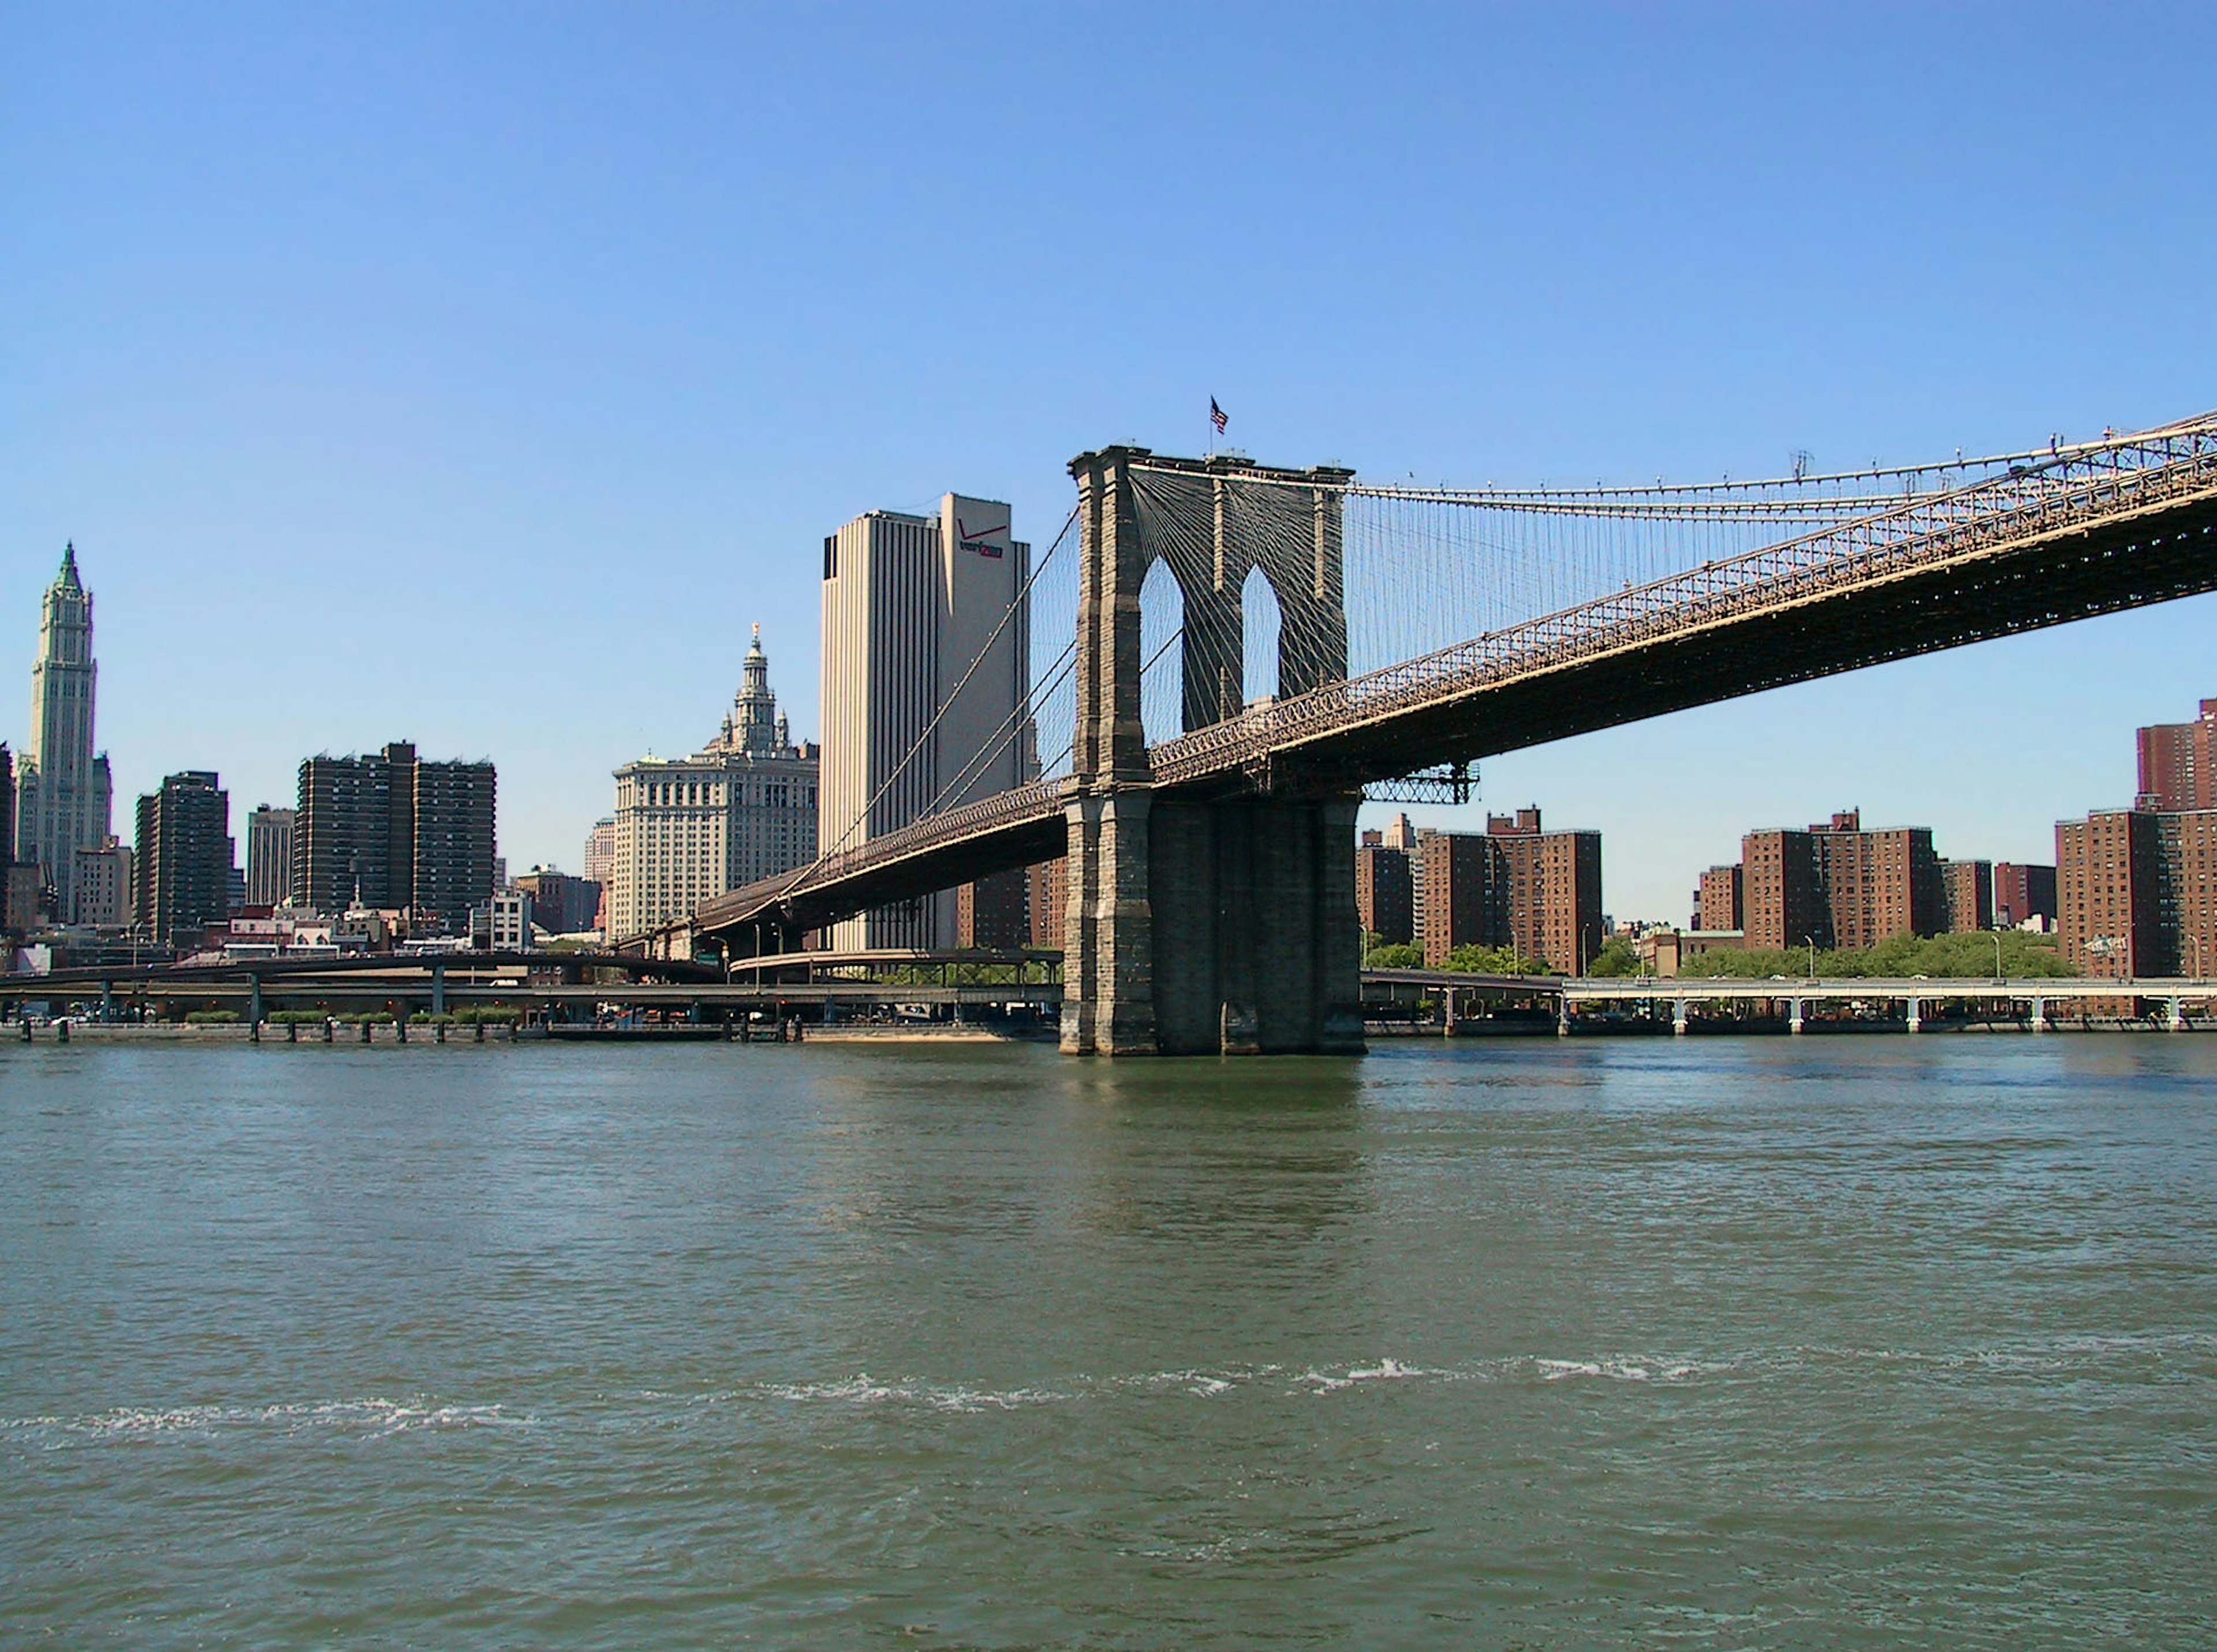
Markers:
point(1829, 1342)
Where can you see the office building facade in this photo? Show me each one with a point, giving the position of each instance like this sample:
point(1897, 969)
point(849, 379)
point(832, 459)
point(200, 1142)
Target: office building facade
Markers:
point(62, 801)
point(926, 674)
point(269, 855)
point(183, 858)
point(103, 887)
point(560, 903)
point(686, 830)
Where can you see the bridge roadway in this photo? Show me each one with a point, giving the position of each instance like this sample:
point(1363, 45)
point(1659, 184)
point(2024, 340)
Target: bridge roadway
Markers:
point(442, 981)
point(2099, 528)
point(254, 986)
point(2038, 995)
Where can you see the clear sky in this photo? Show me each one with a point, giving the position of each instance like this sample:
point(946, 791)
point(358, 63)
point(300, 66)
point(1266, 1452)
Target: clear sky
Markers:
point(475, 374)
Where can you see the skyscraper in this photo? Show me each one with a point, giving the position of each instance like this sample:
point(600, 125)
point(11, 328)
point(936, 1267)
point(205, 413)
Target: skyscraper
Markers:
point(926, 671)
point(184, 858)
point(269, 855)
point(687, 828)
point(63, 802)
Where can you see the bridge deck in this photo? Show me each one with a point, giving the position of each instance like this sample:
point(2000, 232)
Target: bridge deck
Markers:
point(2121, 525)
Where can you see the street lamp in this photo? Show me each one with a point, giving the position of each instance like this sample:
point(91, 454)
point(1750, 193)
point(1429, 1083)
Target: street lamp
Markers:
point(1997, 956)
point(1811, 939)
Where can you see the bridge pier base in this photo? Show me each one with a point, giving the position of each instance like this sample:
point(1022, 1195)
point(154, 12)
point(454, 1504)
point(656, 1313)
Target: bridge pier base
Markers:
point(1915, 1014)
point(1678, 1013)
point(1793, 1015)
point(1212, 928)
point(2040, 1014)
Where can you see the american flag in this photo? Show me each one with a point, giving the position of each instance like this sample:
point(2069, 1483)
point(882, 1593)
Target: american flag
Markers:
point(1216, 416)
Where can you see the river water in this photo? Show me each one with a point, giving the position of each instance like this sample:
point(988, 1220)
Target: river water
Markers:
point(1830, 1342)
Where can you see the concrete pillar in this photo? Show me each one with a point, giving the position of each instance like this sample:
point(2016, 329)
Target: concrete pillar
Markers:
point(438, 988)
point(2040, 1014)
point(1793, 1015)
point(1678, 1008)
point(2174, 1020)
point(254, 1006)
point(1915, 1014)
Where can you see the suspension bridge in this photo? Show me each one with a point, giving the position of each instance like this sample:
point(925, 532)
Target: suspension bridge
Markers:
point(1254, 650)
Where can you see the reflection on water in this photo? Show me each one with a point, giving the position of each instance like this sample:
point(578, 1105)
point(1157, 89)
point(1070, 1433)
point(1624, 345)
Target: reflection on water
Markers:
point(1845, 1343)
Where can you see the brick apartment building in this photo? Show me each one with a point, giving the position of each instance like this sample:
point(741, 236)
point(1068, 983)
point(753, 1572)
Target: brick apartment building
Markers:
point(2023, 893)
point(1718, 902)
point(1517, 885)
point(2177, 771)
point(1967, 890)
point(1838, 884)
point(2136, 892)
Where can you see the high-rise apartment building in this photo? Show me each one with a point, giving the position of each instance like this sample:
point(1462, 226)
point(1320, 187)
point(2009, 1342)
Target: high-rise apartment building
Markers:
point(1968, 894)
point(269, 855)
point(1837, 884)
point(1385, 890)
point(2178, 770)
point(1717, 902)
point(62, 801)
point(184, 858)
point(926, 676)
point(1535, 891)
point(2136, 892)
point(1048, 890)
point(687, 829)
point(2022, 893)
point(397, 834)
point(2106, 873)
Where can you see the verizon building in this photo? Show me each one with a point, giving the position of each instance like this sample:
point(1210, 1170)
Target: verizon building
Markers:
point(926, 670)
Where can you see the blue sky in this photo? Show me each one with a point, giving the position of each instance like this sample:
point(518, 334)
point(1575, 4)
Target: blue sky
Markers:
point(476, 374)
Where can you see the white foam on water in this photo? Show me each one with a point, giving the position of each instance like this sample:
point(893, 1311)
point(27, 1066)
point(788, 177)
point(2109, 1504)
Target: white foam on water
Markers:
point(373, 1418)
point(862, 1390)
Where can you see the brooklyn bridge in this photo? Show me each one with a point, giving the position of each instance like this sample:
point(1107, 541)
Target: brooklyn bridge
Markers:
point(1253, 650)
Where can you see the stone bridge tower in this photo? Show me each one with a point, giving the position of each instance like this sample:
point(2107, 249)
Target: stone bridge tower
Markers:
point(1200, 925)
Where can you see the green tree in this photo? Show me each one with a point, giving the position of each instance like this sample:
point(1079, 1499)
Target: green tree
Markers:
point(1473, 960)
point(1618, 955)
point(1391, 955)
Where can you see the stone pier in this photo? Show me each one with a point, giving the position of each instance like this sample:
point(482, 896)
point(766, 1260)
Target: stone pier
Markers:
point(1204, 925)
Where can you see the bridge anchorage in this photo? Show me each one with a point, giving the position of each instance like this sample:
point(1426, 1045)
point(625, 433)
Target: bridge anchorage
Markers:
point(1209, 897)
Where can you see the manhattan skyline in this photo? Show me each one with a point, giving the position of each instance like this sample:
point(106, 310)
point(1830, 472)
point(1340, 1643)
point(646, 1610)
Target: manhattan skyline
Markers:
point(555, 333)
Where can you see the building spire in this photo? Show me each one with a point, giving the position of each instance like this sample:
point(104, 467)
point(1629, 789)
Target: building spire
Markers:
point(67, 580)
point(756, 706)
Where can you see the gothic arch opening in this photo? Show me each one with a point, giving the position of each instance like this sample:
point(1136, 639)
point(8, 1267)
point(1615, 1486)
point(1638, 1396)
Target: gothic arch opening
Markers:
point(1260, 625)
point(1162, 654)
